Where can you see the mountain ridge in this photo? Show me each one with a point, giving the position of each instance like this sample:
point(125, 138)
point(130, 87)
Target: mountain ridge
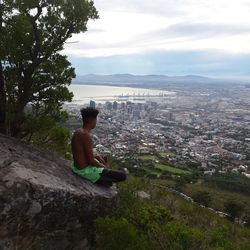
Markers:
point(149, 80)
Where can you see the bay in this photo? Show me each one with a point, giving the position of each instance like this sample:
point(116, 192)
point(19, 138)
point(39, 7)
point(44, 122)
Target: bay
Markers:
point(102, 93)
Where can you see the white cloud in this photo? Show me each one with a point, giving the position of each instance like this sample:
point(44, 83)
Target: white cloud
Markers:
point(136, 26)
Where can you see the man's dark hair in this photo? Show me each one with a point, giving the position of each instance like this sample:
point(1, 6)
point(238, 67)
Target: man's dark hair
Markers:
point(89, 112)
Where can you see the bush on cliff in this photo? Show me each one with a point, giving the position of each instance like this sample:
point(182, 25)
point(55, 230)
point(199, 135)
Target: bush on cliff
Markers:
point(164, 221)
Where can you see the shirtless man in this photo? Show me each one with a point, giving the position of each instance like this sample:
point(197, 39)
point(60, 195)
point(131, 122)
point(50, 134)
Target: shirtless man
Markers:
point(86, 165)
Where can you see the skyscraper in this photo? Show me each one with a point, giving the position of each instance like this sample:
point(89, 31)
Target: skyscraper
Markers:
point(92, 104)
point(115, 104)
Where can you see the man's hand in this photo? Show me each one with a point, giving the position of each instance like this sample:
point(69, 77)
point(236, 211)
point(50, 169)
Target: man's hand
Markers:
point(100, 159)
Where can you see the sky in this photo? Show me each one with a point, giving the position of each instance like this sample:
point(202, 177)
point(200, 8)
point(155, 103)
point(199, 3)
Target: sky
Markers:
point(167, 37)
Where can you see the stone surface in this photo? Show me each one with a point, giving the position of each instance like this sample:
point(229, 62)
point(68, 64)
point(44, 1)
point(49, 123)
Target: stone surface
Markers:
point(43, 205)
point(142, 195)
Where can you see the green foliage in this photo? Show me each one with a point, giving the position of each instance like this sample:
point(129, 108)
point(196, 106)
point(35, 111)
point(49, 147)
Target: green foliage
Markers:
point(164, 154)
point(55, 139)
point(171, 169)
point(33, 74)
point(223, 238)
point(147, 157)
point(146, 224)
point(148, 217)
point(127, 199)
point(231, 182)
point(234, 208)
point(180, 236)
point(202, 197)
point(247, 219)
point(119, 234)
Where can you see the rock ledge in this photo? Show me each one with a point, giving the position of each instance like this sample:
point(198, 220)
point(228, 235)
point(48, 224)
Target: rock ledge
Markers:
point(43, 205)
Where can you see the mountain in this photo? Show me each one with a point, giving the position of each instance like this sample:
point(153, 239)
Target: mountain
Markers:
point(148, 80)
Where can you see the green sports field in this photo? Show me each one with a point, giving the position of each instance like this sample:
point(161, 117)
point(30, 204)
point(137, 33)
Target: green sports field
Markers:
point(171, 169)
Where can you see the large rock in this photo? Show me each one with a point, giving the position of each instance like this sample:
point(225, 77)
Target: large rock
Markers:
point(43, 205)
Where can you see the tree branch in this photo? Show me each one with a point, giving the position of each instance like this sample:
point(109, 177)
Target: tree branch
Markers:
point(2, 83)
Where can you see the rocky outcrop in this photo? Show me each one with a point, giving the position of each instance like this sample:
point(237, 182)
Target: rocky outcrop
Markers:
point(43, 205)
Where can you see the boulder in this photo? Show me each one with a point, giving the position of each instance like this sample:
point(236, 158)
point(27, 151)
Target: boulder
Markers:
point(142, 195)
point(43, 205)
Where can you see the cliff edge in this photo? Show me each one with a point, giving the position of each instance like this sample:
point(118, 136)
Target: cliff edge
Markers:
point(43, 205)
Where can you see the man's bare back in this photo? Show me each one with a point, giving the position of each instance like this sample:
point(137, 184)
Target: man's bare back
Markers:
point(82, 150)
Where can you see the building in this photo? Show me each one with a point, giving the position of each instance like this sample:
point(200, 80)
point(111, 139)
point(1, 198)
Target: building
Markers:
point(92, 104)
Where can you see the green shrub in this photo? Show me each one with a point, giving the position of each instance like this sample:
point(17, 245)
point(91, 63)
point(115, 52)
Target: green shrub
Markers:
point(219, 237)
point(180, 236)
point(119, 234)
point(147, 216)
point(155, 224)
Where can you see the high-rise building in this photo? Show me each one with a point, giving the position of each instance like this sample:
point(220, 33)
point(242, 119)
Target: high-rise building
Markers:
point(123, 105)
point(169, 115)
point(136, 115)
point(92, 104)
point(115, 104)
point(109, 105)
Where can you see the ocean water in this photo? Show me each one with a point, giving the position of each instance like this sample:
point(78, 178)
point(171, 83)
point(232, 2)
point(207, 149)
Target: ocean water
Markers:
point(101, 93)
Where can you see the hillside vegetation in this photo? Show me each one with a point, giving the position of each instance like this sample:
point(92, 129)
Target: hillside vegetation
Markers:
point(165, 221)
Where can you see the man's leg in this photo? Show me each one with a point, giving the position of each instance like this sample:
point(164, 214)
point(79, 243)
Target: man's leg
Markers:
point(108, 176)
point(104, 183)
point(113, 175)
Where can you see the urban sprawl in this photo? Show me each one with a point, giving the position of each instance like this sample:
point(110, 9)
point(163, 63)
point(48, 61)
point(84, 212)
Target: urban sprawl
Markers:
point(206, 128)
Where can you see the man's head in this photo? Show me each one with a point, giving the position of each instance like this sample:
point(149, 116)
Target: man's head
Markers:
point(89, 116)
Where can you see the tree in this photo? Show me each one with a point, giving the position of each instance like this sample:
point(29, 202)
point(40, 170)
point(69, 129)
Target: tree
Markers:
point(247, 219)
point(202, 197)
point(234, 208)
point(33, 75)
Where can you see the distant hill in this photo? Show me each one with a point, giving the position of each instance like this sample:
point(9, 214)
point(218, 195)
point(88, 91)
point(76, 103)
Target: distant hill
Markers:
point(149, 80)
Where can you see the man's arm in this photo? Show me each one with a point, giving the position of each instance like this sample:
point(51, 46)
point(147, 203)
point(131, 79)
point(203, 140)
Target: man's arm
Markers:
point(87, 144)
point(100, 159)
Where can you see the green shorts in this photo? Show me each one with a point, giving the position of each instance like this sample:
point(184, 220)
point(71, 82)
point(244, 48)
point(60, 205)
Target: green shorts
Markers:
point(91, 173)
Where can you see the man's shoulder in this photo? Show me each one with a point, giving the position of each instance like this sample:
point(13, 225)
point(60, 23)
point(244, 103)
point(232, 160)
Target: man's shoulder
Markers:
point(81, 133)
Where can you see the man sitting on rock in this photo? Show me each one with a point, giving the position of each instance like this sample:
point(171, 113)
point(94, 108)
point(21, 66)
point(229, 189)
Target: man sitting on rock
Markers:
point(85, 164)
